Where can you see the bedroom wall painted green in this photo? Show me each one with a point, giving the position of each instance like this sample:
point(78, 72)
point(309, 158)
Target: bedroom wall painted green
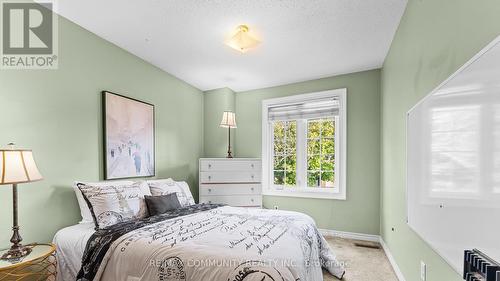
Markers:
point(433, 40)
point(57, 113)
point(360, 212)
point(215, 138)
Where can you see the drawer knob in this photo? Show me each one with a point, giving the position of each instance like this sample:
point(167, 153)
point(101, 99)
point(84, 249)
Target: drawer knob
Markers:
point(252, 189)
point(209, 177)
point(252, 165)
point(209, 202)
point(253, 176)
point(209, 166)
point(251, 200)
point(209, 190)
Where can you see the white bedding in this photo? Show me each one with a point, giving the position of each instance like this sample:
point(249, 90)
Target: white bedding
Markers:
point(70, 243)
point(198, 247)
point(222, 244)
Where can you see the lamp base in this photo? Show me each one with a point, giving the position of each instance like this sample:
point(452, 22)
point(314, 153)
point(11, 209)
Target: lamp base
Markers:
point(16, 253)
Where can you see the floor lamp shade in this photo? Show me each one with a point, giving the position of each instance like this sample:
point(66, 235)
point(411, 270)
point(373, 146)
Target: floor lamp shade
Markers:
point(228, 120)
point(18, 166)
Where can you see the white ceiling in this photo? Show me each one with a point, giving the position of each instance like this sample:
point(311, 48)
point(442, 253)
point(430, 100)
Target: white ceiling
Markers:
point(301, 39)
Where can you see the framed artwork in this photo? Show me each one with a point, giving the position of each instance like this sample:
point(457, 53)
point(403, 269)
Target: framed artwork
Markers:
point(129, 137)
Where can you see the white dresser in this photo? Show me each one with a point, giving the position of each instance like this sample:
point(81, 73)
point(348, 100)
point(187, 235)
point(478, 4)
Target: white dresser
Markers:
point(231, 181)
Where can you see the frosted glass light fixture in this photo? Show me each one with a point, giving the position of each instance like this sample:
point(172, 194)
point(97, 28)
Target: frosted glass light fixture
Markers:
point(242, 40)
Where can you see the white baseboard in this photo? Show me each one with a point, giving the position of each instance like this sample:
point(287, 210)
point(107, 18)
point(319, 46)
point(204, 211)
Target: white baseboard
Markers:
point(395, 266)
point(370, 238)
point(350, 235)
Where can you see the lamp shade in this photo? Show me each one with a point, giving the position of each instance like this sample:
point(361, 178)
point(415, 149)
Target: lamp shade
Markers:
point(18, 166)
point(228, 120)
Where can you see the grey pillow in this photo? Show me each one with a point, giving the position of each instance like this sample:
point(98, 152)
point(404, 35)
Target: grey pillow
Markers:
point(162, 204)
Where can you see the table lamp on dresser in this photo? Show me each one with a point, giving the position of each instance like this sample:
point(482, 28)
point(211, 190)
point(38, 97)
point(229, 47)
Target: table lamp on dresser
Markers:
point(228, 121)
point(17, 166)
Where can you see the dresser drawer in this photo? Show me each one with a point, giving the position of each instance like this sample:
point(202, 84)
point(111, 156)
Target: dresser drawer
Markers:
point(230, 165)
point(230, 189)
point(233, 200)
point(229, 177)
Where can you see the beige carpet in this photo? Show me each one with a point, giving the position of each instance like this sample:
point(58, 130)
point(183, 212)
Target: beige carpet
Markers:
point(362, 264)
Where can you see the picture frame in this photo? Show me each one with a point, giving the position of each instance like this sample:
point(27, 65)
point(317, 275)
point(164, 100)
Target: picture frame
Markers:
point(128, 137)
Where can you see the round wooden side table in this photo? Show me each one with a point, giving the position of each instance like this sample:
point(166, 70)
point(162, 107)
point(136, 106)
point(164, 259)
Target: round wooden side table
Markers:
point(39, 265)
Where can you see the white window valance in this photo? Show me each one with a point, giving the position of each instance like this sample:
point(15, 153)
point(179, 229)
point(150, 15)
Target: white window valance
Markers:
point(305, 110)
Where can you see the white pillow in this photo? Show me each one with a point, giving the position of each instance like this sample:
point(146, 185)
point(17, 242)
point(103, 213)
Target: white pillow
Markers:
point(111, 204)
point(150, 182)
point(84, 208)
point(167, 186)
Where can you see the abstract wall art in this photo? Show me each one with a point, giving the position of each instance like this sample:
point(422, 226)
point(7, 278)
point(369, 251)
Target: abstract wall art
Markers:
point(129, 137)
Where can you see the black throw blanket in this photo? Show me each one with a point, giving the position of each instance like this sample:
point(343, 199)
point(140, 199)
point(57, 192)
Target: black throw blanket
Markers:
point(101, 240)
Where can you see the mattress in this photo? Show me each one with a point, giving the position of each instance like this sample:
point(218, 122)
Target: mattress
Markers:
point(70, 243)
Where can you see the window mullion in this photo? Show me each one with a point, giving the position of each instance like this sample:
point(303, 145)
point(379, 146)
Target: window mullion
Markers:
point(301, 153)
point(320, 153)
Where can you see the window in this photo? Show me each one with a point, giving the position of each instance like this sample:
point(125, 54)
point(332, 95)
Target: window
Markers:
point(285, 153)
point(321, 153)
point(303, 147)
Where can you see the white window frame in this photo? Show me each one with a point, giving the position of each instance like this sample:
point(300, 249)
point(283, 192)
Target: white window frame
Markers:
point(339, 192)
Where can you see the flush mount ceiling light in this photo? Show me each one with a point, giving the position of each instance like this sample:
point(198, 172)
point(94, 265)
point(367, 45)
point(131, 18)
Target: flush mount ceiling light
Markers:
point(242, 41)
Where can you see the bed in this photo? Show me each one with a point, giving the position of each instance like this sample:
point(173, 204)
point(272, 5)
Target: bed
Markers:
point(196, 242)
point(199, 242)
point(70, 246)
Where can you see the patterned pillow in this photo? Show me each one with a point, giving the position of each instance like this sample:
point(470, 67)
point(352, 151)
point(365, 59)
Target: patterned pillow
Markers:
point(84, 207)
point(112, 204)
point(168, 186)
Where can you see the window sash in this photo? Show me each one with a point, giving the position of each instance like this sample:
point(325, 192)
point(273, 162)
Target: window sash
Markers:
point(285, 154)
point(321, 138)
point(301, 155)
